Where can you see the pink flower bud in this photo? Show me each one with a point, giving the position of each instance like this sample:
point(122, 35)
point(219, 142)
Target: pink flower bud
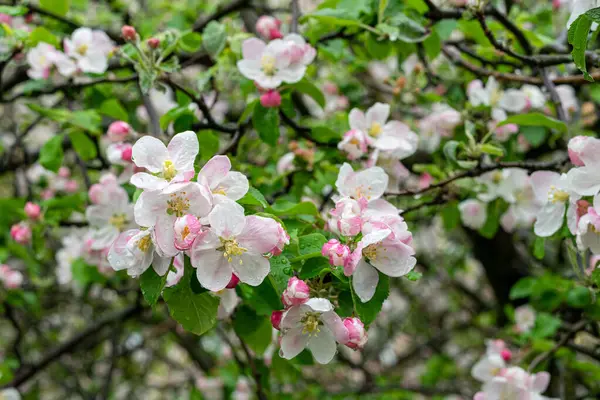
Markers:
point(21, 233)
point(32, 210)
point(268, 27)
point(64, 172)
point(95, 193)
point(357, 336)
point(297, 293)
point(118, 131)
point(425, 180)
point(233, 282)
point(127, 152)
point(71, 186)
point(330, 88)
point(128, 32)
point(187, 228)
point(10, 278)
point(5, 19)
point(270, 99)
point(153, 43)
point(582, 207)
point(579, 147)
point(283, 240)
point(47, 194)
point(276, 317)
point(336, 252)
point(506, 355)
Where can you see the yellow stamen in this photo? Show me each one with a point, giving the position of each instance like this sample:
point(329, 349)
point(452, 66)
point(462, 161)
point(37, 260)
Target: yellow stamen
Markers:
point(230, 248)
point(370, 252)
point(178, 204)
point(118, 221)
point(556, 195)
point(144, 243)
point(82, 49)
point(375, 129)
point(311, 323)
point(169, 171)
point(219, 190)
point(497, 177)
point(267, 63)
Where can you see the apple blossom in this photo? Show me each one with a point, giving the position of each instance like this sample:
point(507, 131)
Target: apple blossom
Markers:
point(524, 318)
point(355, 143)
point(270, 99)
point(515, 383)
point(10, 278)
point(276, 317)
point(173, 277)
point(32, 210)
point(110, 218)
point(271, 64)
point(336, 252)
point(128, 32)
point(228, 303)
point(369, 183)
point(90, 49)
point(441, 122)
point(315, 325)
point(357, 335)
point(187, 228)
point(473, 213)
point(296, 293)
point(118, 131)
point(585, 152)
point(71, 249)
point(588, 227)
point(555, 193)
point(41, 60)
point(222, 181)
point(165, 164)
point(568, 99)
point(268, 27)
point(233, 244)
point(119, 153)
point(134, 250)
point(21, 233)
point(284, 239)
point(492, 363)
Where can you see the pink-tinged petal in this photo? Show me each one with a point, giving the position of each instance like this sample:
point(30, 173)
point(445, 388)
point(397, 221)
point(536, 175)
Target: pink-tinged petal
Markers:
point(394, 259)
point(164, 236)
point(378, 113)
point(319, 304)
point(336, 326)
point(375, 236)
point(260, 235)
point(541, 380)
point(344, 175)
point(226, 220)
point(250, 268)
point(148, 207)
point(292, 318)
point(183, 150)
point(150, 153)
point(161, 264)
point(119, 255)
point(293, 342)
point(322, 346)
point(145, 181)
point(549, 219)
point(215, 170)
point(235, 185)
point(253, 48)
point(200, 199)
point(541, 182)
point(251, 69)
point(207, 240)
point(357, 120)
point(212, 269)
point(584, 180)
point(364, 281)
point(572, 217)
point(487, 368)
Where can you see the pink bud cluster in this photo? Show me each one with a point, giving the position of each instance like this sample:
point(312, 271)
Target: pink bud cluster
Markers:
point(21, 233)
point(269, 27)
point(10, 278)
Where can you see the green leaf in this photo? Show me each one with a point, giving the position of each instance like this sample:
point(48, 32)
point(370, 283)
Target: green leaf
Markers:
point(152, 285)
point(266, 123)
point(368, 311)
point(402, 27)
point(523, 288)
point(253, 329)
point(535, 119)
point(378, 49)
point(546, 325)
point(42, 35)
point(281, 208)
point(579, 297)
point(413, 276)
point(209, 144)
point(248, 110)
point(190, 42)
point(60, 7)
point(281, 272)
point(83, 145)
point(451, 216)
point(309, 88)
point(114, 109)
point(492, 150)
point(450, 150)
point(578, 38)
point(313, 267)
point(262, 298)
point(197, 313)
point(535, 135)
point(172, 115)
point(214, 38)
point(381, 10)
point(85, 274)
point(14, 11)
point(332, 16)
point(539, 248)
point(51, 154)
point(311, 244)
point(254, 197)
point(324, 134)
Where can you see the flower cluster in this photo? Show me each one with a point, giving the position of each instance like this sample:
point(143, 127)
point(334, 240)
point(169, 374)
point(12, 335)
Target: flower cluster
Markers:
point(10, 278)
point(50, 182)
point(310, 322)
point(503, 381)
point(373, 236)
point(85, 51)
point(200, 218)
point(391, 141)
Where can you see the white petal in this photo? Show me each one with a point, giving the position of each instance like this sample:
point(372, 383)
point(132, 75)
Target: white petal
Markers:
point(226, 220)
point(235, 185)
point(260, 234)
point(145, 181)
point(150, 153)
point(161, 264)
point(336, 326)
point(250, 268)
point(293, 342)
point(212, 269)
point(164, 236)
point(584, 180)
point(378, 113)
point(319, 304)
point(357, 120)
point(253, 48)
point(215, 170)
point(148, 207)
point(364, 281)
point(183, 150)
point(541, 182)
point(322, 346)
point(549, 219)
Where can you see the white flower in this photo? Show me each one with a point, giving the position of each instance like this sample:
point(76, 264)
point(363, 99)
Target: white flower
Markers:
point(515, 383)
point(172, 163)
point(217, 175)
point(41, 60)
point(234, 243)
point(555, 194)
point(473, 213)
point(315, 325)
point(369, 183)
point(229, 301)
point(10, 394)
point(524, 318)
point(134, 250)
point(90, 49)
point(71, 250)
point(109, 219)
point(568, 98)
point(585, 180)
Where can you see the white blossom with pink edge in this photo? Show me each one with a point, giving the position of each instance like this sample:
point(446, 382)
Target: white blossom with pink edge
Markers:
point(296, 293)
point(119, 153)
point(135, 250)
point(109, 218)
point(90, 49)
point(585, 152)
point(166, 164)
point(515, 383)
point(10, 278)
point(284, 239)
point(313, 325)
point(588, 228)
point(441, 122)
point(492, 363)
point(355, 143)
point(268, 27)
point(524, 318)
point(222, 181)
point(555, 193)
point(234, 243)
point(269, 65)
point(369, 183)
point(357, 335)
point(473, 213)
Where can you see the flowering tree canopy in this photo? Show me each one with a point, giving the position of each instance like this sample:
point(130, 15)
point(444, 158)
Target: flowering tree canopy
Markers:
point(299, 199)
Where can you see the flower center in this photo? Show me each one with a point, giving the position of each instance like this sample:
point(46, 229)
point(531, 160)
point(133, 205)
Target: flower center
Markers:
point(185, 232)
point(82, 49)
point(354, 141)
point(178, 204)
point(375, 129)
point(267, 63)
point(497, 177)
point(556, 195)
point(118, 221)
point(169, 171)
point(311, 323)
point(144, 243)
point(219, 190)
point(370, 252)
point(230, 248)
